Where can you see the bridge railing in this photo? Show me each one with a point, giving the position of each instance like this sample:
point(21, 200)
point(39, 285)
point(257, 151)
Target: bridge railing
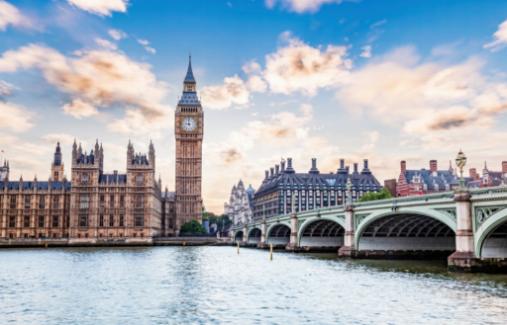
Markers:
point(397, 200)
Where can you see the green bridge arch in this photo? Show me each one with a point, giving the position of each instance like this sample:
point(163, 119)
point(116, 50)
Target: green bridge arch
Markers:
point(425, 212)
point(487, 227)
point(337, 219)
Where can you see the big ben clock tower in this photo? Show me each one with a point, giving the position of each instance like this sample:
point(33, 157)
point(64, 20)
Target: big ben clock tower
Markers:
point(188, 130)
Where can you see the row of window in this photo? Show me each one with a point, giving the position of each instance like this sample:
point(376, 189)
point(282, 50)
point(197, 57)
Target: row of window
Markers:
point(83, 220)
point(41, 221)
point(27, 201)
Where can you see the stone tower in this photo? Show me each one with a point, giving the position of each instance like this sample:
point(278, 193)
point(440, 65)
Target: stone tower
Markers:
point(57, 168)
point(189, 124)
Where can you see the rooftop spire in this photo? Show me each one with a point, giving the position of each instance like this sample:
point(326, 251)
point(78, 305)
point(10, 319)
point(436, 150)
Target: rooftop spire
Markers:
point(189, 78)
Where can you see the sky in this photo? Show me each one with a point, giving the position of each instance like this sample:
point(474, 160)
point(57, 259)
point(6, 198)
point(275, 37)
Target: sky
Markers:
point(330, 79)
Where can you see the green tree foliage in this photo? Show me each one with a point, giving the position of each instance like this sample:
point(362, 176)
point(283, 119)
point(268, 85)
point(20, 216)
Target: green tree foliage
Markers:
point(192, 228)
point(372, 196)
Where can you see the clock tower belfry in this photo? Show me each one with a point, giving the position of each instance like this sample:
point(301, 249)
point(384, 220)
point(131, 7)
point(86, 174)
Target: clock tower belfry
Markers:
point(188, 129)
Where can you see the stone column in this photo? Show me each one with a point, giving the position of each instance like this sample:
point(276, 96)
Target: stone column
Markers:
point(464, 258)
point(348, 249)
point(264, 227)
point(245, 235)
point(293, 241)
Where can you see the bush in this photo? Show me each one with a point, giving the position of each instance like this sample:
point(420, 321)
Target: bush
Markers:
point(372, 196)
point(192, 228)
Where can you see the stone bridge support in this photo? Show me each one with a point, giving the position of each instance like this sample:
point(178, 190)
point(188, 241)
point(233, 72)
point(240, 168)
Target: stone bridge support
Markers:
point(348, 249)
point(293, 242)
point(264, 229)
point(464, 258)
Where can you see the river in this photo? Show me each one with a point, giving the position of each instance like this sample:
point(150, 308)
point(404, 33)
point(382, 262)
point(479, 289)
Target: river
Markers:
point(215, 285)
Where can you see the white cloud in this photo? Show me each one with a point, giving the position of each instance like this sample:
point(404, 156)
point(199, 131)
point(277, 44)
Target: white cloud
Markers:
point(366, 52)
point(15, 118)
point(79, 109)
point(499, 38)
point(300, 6)
point(5, 89)
point(10, 15)
point(134, 123)
point(146, 45)
point(100, 7)
point(294, 67)
point(100, 78)
point(233, 91)
point(428, 100)
point(64, 138)
point(106, 44)
point(117, 34)
point(299, 67)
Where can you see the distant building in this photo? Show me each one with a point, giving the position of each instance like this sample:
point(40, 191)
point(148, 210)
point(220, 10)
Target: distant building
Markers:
point(390, 186)
point(432, 180)
point(239, 208)
point(422, 181)
point(311, 190)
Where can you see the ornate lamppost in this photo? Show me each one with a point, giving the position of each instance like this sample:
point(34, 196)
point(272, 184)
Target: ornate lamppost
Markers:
point(461, 161)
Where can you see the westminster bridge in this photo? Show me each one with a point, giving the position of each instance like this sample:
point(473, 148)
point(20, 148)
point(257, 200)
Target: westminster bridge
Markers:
point(468, 226)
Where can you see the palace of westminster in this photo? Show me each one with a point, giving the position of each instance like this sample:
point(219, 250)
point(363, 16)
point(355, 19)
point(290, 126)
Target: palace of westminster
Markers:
point(95, 206)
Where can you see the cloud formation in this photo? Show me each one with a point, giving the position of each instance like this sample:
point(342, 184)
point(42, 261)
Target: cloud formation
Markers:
point(79, 109)
point(5, 89)
point(100, 7)
point(146, 45)
point(300, 6)
point(10, 15)
point(233, 91)
point(427, 99)
point(117, 34)
point(295, 67)
point(499, 38)
point(15, 118)
point(98, 78)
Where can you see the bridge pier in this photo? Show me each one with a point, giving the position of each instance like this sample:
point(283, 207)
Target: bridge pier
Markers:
point(244, 240)
point(348, 249)
point(293, 241)
point(464, 258)
point(262, 242)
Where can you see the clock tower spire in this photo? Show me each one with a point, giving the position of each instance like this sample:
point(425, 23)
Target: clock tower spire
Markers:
point(188, 130)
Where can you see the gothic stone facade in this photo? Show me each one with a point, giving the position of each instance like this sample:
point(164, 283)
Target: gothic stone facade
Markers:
point(311, 190)
point(93, 207)
point(240, 206)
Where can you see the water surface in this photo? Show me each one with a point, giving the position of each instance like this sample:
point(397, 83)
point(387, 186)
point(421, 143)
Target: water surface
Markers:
point(215, 285)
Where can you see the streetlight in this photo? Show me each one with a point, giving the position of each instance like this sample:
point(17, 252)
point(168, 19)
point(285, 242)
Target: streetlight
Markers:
point(461, 161)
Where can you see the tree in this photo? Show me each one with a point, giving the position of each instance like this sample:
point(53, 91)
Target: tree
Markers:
point(192, 228)
point(372, 196)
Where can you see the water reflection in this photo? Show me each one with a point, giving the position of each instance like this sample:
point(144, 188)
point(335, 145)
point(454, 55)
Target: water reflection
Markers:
point(214, 285)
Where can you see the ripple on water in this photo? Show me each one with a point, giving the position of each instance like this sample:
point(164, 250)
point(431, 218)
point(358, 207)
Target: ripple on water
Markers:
point(214, 285)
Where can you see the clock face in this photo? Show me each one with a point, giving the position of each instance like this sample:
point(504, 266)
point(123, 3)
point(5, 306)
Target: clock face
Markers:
point(188, 124)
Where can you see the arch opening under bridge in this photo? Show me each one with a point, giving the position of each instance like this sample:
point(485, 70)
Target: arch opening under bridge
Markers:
point(278, 235)
point(321, 233)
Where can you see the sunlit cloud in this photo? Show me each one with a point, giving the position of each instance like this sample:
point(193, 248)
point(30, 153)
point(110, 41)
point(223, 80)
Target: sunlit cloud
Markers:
point(15, 118)
point(499, 38)
point(300, 6)
point(101, 7)
point(10, 15)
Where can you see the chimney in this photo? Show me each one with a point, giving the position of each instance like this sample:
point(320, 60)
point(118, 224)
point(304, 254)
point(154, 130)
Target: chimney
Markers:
point(289, 168)
point(473, 173)
point(365, 170)
point(433, 165)
point(355, 168)
point(282, 164)
point(342, 163)
point(504, 167)
point(277, 169)
point(314, 169)
point(272, 171)
point(403, 166)
point(266, 174)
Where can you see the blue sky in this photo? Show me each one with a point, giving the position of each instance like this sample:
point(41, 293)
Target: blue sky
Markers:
point(383, 80)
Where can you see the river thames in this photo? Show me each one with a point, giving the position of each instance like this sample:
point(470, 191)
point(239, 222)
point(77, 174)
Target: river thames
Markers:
point(215, 285)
